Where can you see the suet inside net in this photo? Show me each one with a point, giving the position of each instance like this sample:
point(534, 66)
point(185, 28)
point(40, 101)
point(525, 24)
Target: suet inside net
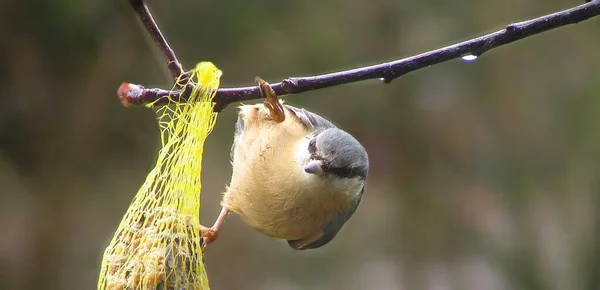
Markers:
point(157, 244)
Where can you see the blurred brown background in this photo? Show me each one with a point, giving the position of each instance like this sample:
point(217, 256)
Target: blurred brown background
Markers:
point(484, 175)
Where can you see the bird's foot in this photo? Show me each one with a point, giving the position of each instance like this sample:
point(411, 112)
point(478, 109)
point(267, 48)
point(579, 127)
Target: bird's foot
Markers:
point(208, 235)
point(271, 102)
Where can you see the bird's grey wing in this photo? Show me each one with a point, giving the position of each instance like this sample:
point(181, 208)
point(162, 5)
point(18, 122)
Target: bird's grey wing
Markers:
point(332, 227)
point(311, 120)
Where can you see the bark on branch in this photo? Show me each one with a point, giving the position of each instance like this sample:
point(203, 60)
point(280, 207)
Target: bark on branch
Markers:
point(131, 94)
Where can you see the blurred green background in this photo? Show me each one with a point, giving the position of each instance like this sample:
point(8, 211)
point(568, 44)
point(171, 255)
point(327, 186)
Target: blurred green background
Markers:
point(484, 175)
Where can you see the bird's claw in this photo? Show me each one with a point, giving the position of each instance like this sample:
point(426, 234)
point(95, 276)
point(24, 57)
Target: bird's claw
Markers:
point(271, 102)
point(208, 235)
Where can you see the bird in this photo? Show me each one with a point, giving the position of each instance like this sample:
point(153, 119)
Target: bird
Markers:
point(297, 178)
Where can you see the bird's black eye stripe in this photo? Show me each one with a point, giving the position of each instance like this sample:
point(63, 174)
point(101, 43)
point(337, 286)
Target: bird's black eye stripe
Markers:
point(312, 146)
point(347, 172)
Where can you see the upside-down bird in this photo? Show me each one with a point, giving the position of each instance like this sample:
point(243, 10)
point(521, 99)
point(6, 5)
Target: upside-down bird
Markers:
point(299, 179)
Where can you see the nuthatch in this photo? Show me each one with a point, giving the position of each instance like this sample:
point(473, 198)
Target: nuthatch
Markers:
point(298, 180)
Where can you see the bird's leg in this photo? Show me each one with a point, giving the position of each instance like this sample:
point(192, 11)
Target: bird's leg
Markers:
point(271, 102)
point(209, 235)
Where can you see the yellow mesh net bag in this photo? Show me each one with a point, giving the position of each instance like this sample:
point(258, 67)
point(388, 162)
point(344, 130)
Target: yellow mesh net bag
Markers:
point(157, 244)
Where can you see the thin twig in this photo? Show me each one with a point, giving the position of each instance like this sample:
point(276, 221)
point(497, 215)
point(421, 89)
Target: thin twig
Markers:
point(135, 94)
point(148, 21)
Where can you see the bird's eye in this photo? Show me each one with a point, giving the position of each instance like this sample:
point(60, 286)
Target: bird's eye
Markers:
point(312, 146)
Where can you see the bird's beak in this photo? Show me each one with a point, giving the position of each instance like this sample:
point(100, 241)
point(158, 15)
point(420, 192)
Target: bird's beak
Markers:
point(314, 167)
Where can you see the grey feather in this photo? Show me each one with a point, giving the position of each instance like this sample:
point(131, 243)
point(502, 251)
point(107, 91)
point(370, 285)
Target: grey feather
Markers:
point(343, 155)
point(332, 227)
point(311, 120)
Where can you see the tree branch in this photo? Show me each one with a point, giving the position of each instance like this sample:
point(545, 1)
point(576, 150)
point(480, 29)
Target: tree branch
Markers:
point(131, 94)
point(148, 21)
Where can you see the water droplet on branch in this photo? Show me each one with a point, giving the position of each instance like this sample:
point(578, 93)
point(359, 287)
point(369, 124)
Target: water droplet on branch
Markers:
point(469, 57)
